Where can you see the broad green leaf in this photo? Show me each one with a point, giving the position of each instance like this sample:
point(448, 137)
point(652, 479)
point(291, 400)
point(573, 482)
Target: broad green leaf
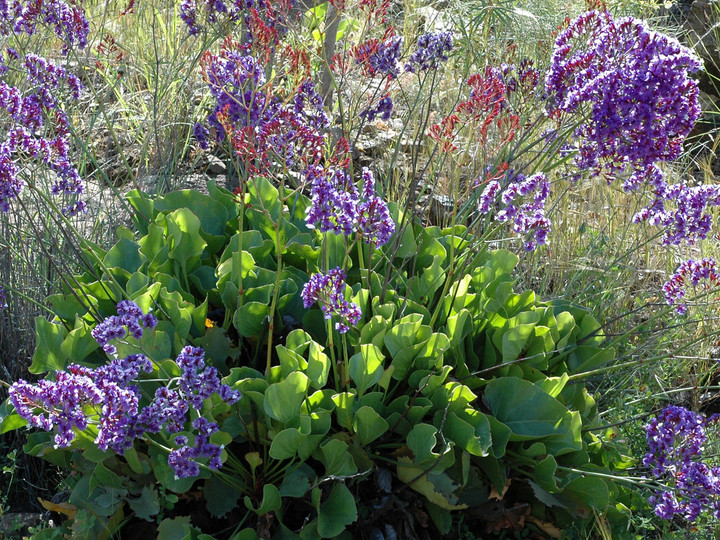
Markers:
point(530, 413)
point(147, 505)
point(421, 440)
point(219, 497)
point(318, 366)
point(184, 239)
point(67, 306)
point(125, 254)
point(366, 367)
point(336, 458)
point(79, 343)
point(173, 528)
point(344, 408)
point(265, 195)
point(271, 501)
point(48, 353)
point(544, 473)
point(12, 422)
point(369, 425)
point(284, 399)
point(285, 444)
point(250, 318)
point(585, 492)
point(337, 512)
point(296, 483)
point(213, 215)
point(436, 487)
point(474, 437)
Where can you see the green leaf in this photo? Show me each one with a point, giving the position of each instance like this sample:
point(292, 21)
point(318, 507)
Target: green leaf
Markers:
point(147, 505)
point(102, 476)
point(545, 473)
point(218, 347)
point(284, 399)
point(213, 215)
point(584, 492)
point(344, 408)
point(369, 425)
point(12, 422)
point(173, 528)
point(266, 196)
point(219, 497)
point(66, 306)
point(48, 354)
point(474, 437)
point(436, 487)
point(530, 413)
point(318, 366)
point(285, 444)
point(421, 440)
point(297, 482)
point(125, 254)
point(337, 512)
point(366, 367)
point(184, 239)
point(79, 343)
point(338, 462)
point(249, 319)
point(271, 501)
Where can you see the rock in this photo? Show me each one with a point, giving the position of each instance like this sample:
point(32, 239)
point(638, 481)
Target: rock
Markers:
point(215, 166)
point(13, 524)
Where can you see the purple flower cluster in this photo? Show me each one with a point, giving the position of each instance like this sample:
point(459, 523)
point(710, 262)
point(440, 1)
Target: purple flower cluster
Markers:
point(338, 207)
point(676, 439)
point(67, 20)
point(334, 201)
point(76, 395)
point(522, 78)
point(431, 50)
point(129, 320)
point(328, 290)
point(383, 109)
point(689, 220)
point(384, 59)
point(183, 460)
point(263, 131)
point(374, 221)
point(309, 107)
point(690, 272)
point(50, 76)
point(380, 57)
point(529, 217)
point(35, 116)
point(274, 13)
point(108, 397)
point(634, 85)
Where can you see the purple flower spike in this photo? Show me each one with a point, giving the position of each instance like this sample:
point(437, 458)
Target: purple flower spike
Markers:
point(689, 273)
point(528, 218)
point(328, 290)
point(129, 320)
point(633, 86)
point(432, 49)
point(676, 438)
point(374, 223)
